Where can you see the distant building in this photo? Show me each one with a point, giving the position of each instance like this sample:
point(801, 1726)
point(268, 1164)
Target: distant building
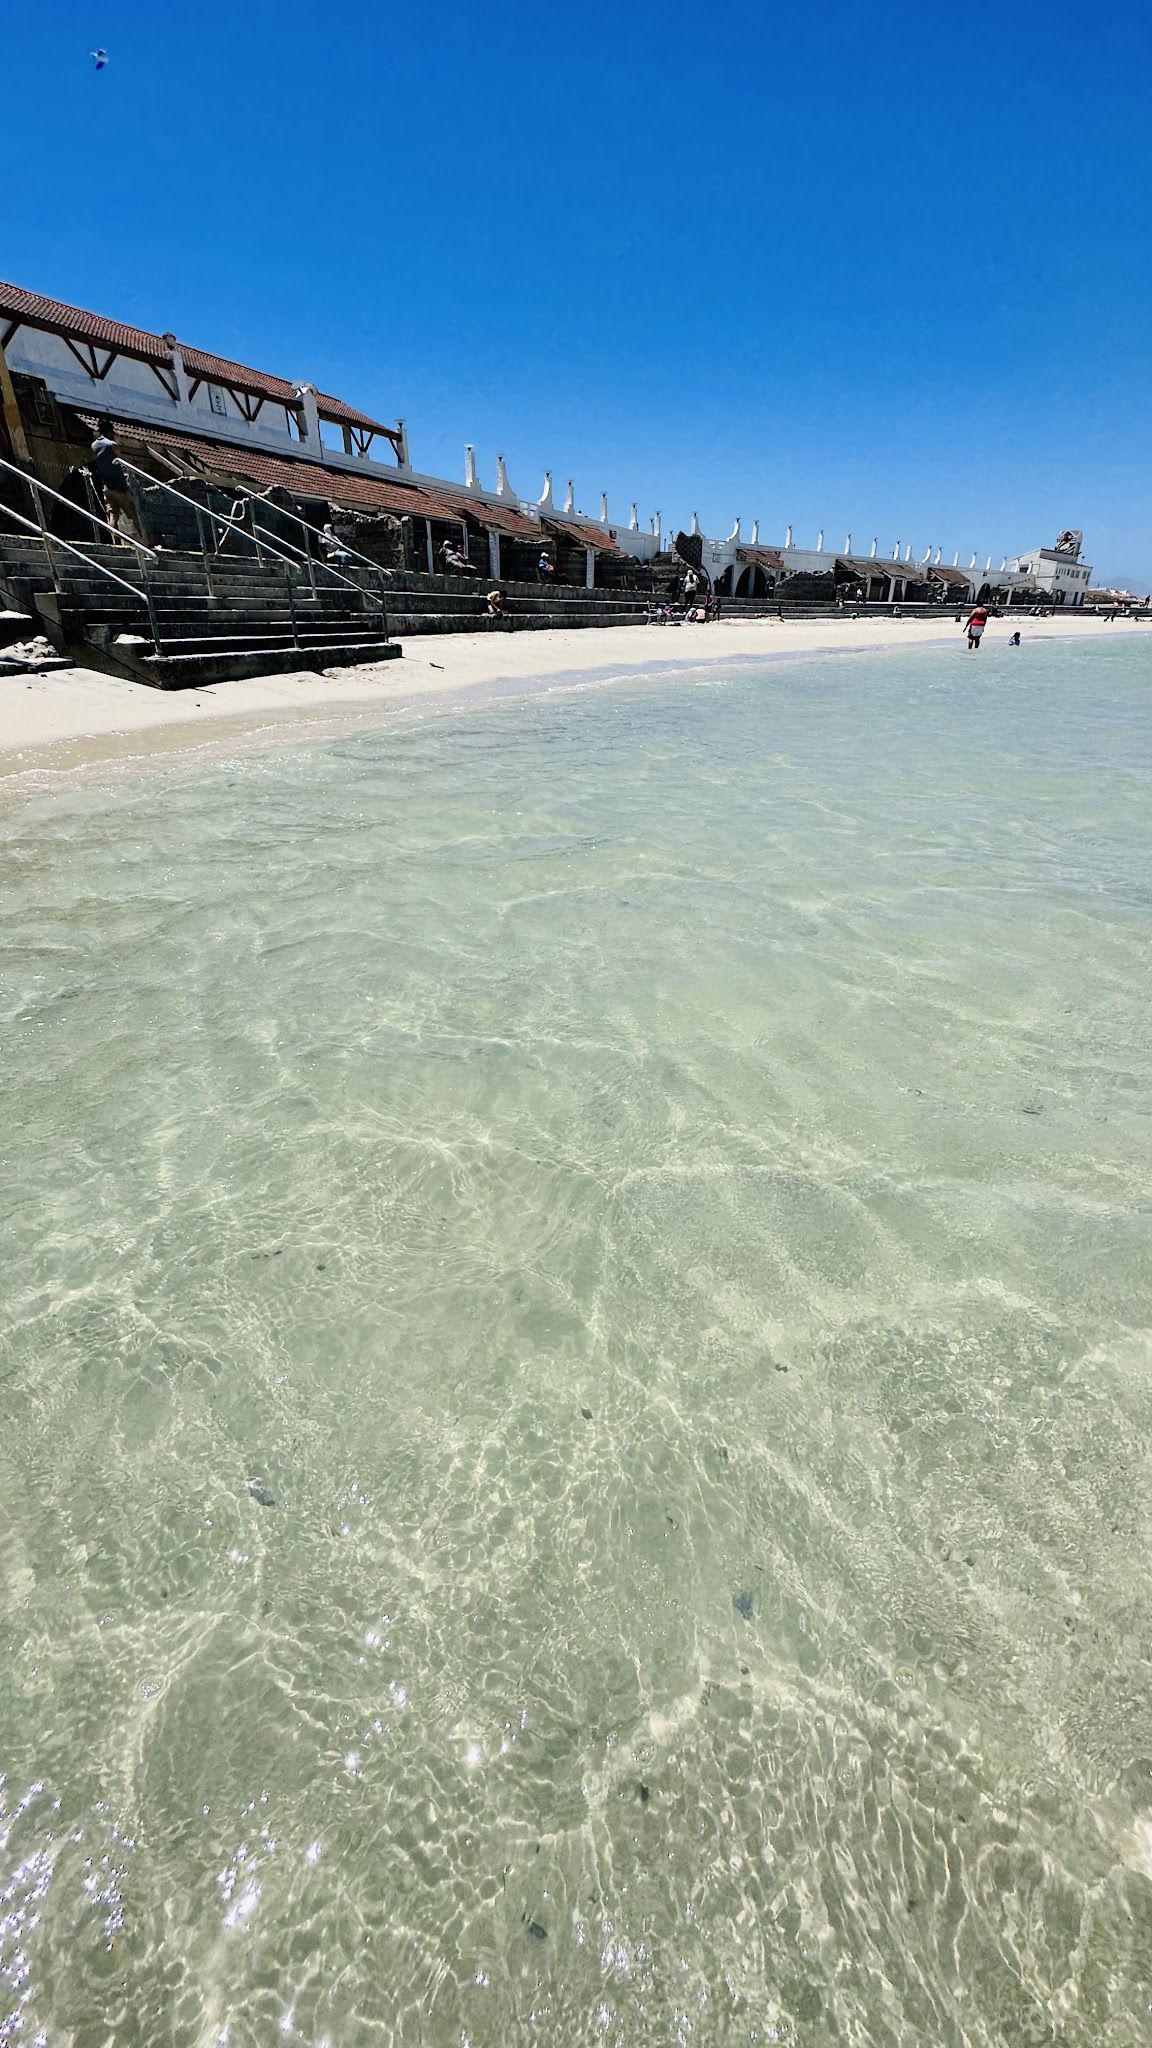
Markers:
point(1057, 570)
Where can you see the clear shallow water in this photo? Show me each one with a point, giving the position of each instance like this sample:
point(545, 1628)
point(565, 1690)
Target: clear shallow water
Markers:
point(575, 1414)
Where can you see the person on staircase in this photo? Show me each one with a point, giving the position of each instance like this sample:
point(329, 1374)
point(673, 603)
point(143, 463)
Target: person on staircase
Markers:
point(453, 562)
point(112, 482)
point(332, 547)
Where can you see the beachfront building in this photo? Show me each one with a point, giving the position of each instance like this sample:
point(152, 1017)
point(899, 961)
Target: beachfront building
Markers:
point(219, 427)
point(106, 366)
point(201, 416)
point(1058, 571)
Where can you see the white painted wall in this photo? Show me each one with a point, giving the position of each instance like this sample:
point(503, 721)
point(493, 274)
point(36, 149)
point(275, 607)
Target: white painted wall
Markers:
point(1057, 573)
point(639, 545)
point(131, 389)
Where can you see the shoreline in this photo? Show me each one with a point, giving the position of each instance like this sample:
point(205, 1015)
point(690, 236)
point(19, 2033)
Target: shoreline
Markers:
point(73, 717)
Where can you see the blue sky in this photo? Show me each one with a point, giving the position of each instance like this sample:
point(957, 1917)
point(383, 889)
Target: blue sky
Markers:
point(884, 269)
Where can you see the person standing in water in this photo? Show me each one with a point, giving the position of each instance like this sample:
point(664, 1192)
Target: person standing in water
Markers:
point(977, 621)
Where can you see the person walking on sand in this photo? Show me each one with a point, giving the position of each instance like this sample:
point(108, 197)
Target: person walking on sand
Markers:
point(977, 621)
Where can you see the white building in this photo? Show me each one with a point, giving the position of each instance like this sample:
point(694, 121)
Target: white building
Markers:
point(1058, 570)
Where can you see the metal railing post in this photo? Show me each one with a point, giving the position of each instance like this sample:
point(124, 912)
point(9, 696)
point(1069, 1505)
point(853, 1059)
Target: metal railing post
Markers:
point(137, 504)
point(153, 628)
point(38, 501)
point(204, 551)
point(292, 610)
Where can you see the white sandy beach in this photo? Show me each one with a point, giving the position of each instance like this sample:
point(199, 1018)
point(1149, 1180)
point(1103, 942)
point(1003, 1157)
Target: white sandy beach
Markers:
point(77, 714)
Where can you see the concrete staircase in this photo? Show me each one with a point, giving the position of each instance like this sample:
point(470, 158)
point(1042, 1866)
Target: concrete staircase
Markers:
point(239, 617)
point(457, 604)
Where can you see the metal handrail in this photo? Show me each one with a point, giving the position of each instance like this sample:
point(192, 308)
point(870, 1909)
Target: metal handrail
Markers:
point(35, 485)
point(303, 556)
point(204, 511)
point(298, 518)
point(219, 519)
point(275, 542)
point(7, 512)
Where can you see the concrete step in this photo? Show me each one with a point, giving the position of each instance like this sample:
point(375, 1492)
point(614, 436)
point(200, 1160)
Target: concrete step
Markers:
point(223, 643)
point(185, 671)
point(110, 604)
point(402, 623)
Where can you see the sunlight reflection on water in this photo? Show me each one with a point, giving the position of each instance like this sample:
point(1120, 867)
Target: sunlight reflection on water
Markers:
point(576, 1389)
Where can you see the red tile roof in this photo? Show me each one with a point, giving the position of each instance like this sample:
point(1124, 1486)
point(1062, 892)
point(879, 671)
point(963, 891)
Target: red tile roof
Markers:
point(314, 479)
point(585, 536)
point(18, 304)
point(306, 479)
point(503, 518)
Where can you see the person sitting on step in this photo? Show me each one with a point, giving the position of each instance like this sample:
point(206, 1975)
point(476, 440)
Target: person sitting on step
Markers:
point(331, 546)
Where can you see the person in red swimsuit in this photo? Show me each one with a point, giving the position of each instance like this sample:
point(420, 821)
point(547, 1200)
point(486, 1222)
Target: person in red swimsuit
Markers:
point(976, 624)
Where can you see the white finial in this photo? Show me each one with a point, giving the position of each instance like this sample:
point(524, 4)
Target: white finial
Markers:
point(695, 523)
point(956, 559)
point(755, 533)
point(820, 542)
point(895, 556)
point(470, 476)
point(1003, 565)
point(634, 520)
point(925, 557)
point(503, 487)
point(972, 563)
point(908, 552)
point(872, 549)
point(545, 498)
point(603, 508)
point(788, 538)
point(735, 533)
point(988, 565)
point(936, 563)
point(656, 526)
point(847, 543)
point(570, 500)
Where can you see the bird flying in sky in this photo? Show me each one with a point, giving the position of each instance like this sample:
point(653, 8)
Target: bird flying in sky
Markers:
point(99, 58)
